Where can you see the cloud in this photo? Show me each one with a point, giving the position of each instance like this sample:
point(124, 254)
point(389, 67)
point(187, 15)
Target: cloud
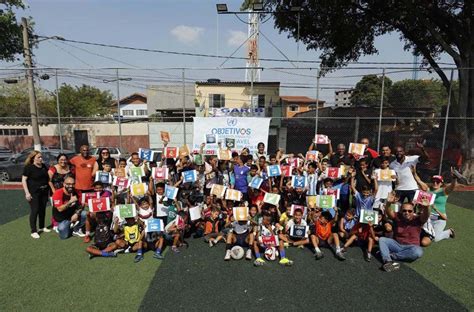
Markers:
point(236, 38)
point(187, 34)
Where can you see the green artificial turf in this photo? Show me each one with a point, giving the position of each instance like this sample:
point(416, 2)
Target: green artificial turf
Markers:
point(13, 205)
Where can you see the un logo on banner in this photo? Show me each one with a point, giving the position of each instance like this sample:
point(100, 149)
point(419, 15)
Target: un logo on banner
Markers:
point(231, 122)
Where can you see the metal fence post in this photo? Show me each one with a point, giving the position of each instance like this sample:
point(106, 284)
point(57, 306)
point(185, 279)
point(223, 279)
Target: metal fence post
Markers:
point(317, 103)
point(184, 109)
point(381, 110)
point(59, 113)
point(118, 110)
point(446, 122)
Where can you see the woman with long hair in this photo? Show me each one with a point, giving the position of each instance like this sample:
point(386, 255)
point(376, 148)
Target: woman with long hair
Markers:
point(35, 181)
point(104, 158)
point(58, 172)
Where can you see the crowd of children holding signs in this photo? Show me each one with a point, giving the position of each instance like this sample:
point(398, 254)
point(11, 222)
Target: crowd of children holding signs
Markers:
point(258, 204)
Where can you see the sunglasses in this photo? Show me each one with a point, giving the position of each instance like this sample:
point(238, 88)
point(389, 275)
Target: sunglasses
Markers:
point(105, 153)
point(407, 211)
point(437, 181)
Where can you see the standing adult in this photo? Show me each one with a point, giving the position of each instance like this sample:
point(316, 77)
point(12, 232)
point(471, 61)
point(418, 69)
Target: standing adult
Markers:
point(373, 153)
point(405, 244)
point(340, 156)
point(85, 167)
point(35, 184)
point(402, 164)
point(386, 153)
point(58, 172)
point(104, 158)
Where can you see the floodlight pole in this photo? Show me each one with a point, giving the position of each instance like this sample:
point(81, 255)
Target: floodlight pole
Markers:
point(59, 113)
point(381, 109)
point(317, 102)
point(446, 122)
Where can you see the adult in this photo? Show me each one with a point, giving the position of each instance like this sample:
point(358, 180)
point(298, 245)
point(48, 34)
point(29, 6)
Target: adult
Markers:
point(58, 172)
point(340, 156)
point(438, 215)
point(405, 244)
point(402, 164)
point(104, 158)
point(385, 153)
point(35, 184)
point(68, 211)
point(85, 167)
point(373, 153)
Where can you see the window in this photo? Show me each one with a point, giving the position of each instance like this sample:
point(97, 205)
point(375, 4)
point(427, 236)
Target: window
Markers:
point(142, 112)
point(261, 101)
point(294, 108)
point(216, 100)
point(127, 112)
point(311, 107)
point(13, 131)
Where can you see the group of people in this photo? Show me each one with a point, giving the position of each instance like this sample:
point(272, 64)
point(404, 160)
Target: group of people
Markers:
point(257, 204)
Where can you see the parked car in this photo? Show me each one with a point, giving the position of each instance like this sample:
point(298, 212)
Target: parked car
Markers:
point(115, 152)
point(12, 169)
point(5, 153)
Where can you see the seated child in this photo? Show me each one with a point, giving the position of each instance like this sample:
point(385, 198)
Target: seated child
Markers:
point(347, 223)
point(212, 235)
point(364, 235)
point(297, 240)
point(104, 244)
point(98, 188)
point(322, 234)
point(239, 235)
point(132, 240)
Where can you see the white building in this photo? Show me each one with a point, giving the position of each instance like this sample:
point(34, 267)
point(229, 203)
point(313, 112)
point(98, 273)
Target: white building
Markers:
point(134, 106)
point(343, 98)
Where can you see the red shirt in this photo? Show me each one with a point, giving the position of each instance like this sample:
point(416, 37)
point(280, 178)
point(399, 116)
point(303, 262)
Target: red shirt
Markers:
point(59, 199)
point(83, 169)
point(407, 232)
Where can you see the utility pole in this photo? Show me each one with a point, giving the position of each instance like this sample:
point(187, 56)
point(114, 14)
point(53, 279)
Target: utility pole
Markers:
point(31, 85)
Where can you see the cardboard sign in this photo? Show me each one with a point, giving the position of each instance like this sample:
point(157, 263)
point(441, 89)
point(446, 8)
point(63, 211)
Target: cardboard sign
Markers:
point(189, 176)
point(367, 216)
point(165, 136)
point(146, 154)
point(184, 151)
point(293, 161)
point(224, 154)
point(160, 173)
point(256, 182)
point(298, 182)
point(312, 155)
point(180, 224)
point(299, 231)
point(103, 177)
point(395, 207)
point(298, 207)
point(210, 176)
point(154, 225)
point(240, 213)
point(326, 201)
point(343, 170)
point(311, 201)
point(269, 241)
point(356, 149)
point(218, 190)
point(234, 195)
point(424, 198)
point(171, 192)
point(272, 199)
point(198, 160)
point(230, 143)
point(161, 210)
point(333, 172)
point(89, 195)
point(335, 192)
point(120, 172)
point(138, 189)
point(195, 213)
point(126, 211)
point(171, 152)
point(385, 174)
point(136, 172)
point(274, 171)
point(286, 171)
point(321, 139)
point(211, 139)
point(121, 182)
point(99, 204)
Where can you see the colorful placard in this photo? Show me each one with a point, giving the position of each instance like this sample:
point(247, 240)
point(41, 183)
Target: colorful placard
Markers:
point(154, 225)
point(218, 190)
point(136, 172)
point(335, 192)
point(286, 171)
point(357, 149)
point(333, 172)
point(160, 173)
point(256, 182)
point(161, 210)
point(298, 181)
point(89, 195)
point(171, 192)
point(126, 211)
point(184, 151)
point(198, 159)
point(121, 182)
point(224, 154)
point(189, 176)
point(321, 139)
point(103, 177)
point(234, 195)
point(274, 171)
point(230, 143)
point(326, 201)
point(395, 207)
point(138, 189)
point(211, 139)
point(299, 231)
point(146, 154)
point(99, 204)
point(312, 155)
point(367, 216)
point(171, 152)
point(385, 175)
point(120, 172)
point(311, 201)
point(303, 209)
point(240, 213)
point(272, 199)
point(293, 161)
point(424, 198)
point(165, 136)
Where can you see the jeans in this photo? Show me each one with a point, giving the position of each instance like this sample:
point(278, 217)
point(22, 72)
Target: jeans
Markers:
point(393, 250)
point(64, 227)
point(39, 200)
point(440, 233)
point(402, 194)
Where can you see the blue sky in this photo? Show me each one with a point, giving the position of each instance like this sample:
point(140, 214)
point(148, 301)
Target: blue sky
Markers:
point(178, 25)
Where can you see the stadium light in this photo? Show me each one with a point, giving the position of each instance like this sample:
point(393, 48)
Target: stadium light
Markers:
point(221, 7)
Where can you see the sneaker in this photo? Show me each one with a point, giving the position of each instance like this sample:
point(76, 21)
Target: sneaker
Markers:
point(227, 255)
point(286, 245)
point(45, 230)
point(175, 249)
point(340, 256)
point(318, 255)
point(368, 256)
point(91, 256)
point(78, 233)
point(35, 235)
point(127, 250)
point(138, 258)
point(453, 233)
point(286, 262)
point(248, 254)
point(86, 239)
point(391, 266)
point(158, 255)
point(72, 225)
point(55, 228)
point(120, 250)
point(259, 262)
point(211, 243)
point(343, 249)
point(301, 246)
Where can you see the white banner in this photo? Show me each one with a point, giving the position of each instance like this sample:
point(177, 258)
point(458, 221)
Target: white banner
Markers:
point(246, 131)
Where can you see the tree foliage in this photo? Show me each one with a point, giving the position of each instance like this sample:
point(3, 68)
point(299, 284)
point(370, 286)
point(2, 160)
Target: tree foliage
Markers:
point(84, 101)
point(14, 101)
point(11, 42)
point(368, 90)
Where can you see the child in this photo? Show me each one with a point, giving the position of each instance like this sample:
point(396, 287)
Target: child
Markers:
point(211, 228)
point(347, 223)
point(299, 240)
point(120, 192)
point(154, 241)
point(364, 199)
point(98, 188)
point(104, 244)
point(133, 234)
point(383, 188)
point(107, 168)
point(266, 233)
point(240, 235)
point(321, 233)
point(363, 233)
point(145, 210)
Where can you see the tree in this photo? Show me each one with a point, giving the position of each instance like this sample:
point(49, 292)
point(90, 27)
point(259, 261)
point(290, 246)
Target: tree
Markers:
point(346, 29)
point(368, 90)
point(11, 40)
point(84, 101)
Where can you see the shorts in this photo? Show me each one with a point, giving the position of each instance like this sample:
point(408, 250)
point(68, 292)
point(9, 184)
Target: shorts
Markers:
point(102, 245)
point(297, 239)
point(241, 239)
point(209, 236)
point(153, 237)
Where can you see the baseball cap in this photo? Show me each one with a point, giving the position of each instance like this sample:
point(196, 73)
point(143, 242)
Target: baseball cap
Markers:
point(437, 177)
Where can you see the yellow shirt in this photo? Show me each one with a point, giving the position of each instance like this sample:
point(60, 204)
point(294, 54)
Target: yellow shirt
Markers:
point(132, 233)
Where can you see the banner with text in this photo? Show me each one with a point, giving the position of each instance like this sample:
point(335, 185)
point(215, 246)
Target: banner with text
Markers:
point(245, 132)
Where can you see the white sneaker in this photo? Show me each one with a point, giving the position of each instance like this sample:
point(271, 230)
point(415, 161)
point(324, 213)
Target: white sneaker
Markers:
point(78, 233)
point(227, 255)
point(35, 235)
point(55, 228)
point(211, 243)
point(45, 230)
point(248, 254)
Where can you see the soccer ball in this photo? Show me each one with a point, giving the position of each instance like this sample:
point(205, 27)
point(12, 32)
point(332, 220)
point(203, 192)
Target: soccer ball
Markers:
point(237, 252)
point(271, 253)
